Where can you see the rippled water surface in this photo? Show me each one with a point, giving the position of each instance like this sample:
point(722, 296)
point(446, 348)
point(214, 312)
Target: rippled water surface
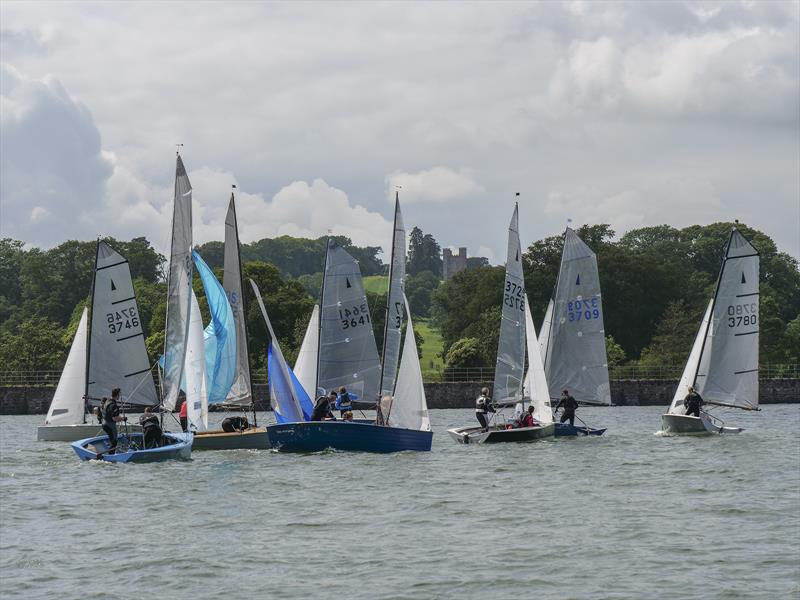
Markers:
point(629, 515)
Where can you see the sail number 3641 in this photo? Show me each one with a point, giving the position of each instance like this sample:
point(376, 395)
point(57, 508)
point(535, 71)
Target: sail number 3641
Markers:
point(355, 316)
point(742, 314)
point(122, 319)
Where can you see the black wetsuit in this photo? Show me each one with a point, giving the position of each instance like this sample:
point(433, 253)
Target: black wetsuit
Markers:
point(151, 429)
point(322, 409)
point(569, 404)
point(483, 405)
point(111, 410)
point(693, 402)
point(232, 424)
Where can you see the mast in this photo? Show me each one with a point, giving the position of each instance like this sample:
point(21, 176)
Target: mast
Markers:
point(89, 331)
point(319, 324)
point(713, 305)
point(388, 292)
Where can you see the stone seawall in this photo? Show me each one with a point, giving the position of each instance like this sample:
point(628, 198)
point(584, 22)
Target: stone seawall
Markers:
point(36, 400)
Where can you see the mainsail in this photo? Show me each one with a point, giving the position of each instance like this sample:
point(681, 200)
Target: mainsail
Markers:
point(305, 368)
point(728, 368)
point(692, 365)
point(117, 354)
point(179, 287)
point(232, 282)
point(409, 409)
point(544, 332)
point(220, 335)
point(195, 377)
point(395, 308)
point(576, 350)
point(509, 370)
point(348, 355)
point(289, 400)
point(67, 407)
point(535, 386)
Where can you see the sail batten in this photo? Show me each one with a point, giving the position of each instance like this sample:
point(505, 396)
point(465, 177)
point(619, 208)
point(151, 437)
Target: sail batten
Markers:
point(179, 287)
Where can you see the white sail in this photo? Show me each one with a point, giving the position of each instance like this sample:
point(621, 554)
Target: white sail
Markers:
point(509, 369)
point(576, 357)
point(117, 354)
point(728, 371)
point(285, 398)
point(692, 365)
point(67, 406)
point(348, 355)
point(195, 370)
point(395, 308)
point(544, 332)
point(535, 386)
point(179, 287)
point(305, 368)
point(232, 282)
point(409, 409)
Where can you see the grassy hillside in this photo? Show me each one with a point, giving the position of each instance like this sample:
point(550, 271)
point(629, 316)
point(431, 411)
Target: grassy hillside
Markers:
point(377, 284)
point(431, 361)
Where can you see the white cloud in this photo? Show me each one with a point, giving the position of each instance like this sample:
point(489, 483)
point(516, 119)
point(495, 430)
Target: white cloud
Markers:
point(439, 184)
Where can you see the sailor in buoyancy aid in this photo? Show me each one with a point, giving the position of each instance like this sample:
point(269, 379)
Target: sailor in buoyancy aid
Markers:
point(151, 428)
point(483, 405)
point(344, 401)
point(693, 402)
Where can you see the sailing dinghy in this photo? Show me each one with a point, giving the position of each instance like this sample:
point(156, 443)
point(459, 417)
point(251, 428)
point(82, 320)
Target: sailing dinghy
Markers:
point(516, 336)
point(346, 355)
point(723, 362)
point(130, 448)
point(108, 354)
point(573, 342)
point(226, 347)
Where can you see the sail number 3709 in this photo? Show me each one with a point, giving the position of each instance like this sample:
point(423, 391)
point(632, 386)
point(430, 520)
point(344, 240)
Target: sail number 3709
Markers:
point(355, 316)
point(583, 310)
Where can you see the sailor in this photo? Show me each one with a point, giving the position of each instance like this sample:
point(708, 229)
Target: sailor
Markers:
point(344, 401)
point(569, 404)
point(151, 428)
point(111, 417)
point(483, 405)
point(98, 413)
point(348, 416)
point(693, 402)
point(184, 417)
point(322, 409)
point(232, 424)
point(527, 419)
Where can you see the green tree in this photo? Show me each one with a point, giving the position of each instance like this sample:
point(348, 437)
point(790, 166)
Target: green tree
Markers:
point(464, 353)
point(419, 289)
point(34, 345)
point(11, 257)
point(614, 352)
point(424, 253)
point(674, 336)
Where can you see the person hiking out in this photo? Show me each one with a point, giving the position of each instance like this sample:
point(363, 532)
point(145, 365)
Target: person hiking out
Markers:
point(111, 417)
point(151, 428)
point(693, 402)
point(569, 404)
point(322, 409)
point(483, 405)
point(344, 401)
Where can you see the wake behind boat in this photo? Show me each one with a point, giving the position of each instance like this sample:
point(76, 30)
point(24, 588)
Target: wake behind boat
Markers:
point(130, 448)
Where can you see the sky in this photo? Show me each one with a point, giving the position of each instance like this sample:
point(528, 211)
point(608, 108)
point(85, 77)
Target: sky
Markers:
point(631, 114)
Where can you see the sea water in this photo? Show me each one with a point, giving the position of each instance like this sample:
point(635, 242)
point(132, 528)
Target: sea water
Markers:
point(631, 514)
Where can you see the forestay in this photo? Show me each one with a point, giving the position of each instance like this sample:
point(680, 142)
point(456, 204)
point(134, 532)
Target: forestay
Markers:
point(728, 372)
point(305, 368)
point(576, 350)
point(290, 402)
point(68, 407)
point(220, 335)
point(395, 308)
point(240, 392)
point(195, 376)
point(535, 386)
point(409, 409)
point(348, 355)
point(692, 365)
point(509, 369)
point(117, 353)
point(179, 287)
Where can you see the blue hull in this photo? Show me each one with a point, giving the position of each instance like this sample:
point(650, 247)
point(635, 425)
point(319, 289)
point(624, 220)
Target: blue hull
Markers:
point(315, 436)
point(130, 448)
point(565, 429)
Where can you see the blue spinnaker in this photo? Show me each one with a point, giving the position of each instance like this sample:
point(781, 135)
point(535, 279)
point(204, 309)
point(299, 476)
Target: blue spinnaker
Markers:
point(305, 402)
point(285, 393)
point(220, 335)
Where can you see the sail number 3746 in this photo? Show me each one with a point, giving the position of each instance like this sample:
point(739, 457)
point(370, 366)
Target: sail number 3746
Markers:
point(122, 319)
point(355, 316)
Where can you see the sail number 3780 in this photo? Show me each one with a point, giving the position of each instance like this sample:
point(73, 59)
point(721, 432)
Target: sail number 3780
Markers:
point(355, 316)
point(742, 314)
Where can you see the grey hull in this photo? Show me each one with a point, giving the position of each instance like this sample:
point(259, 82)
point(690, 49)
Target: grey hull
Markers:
point(496, 434)
point(253, 438)
point(73, 433)
point(690, 425)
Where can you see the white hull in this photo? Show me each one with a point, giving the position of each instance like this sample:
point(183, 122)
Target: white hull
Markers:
point(690, 425)
point(498, 434)
point(73, 433)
